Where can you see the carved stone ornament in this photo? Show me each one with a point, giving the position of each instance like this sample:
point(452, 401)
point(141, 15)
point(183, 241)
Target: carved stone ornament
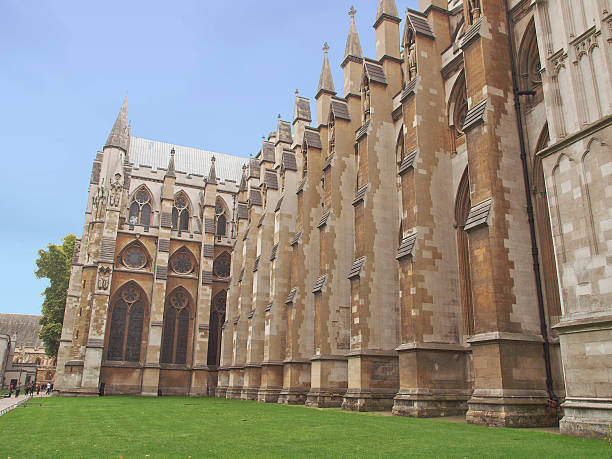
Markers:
point(116, 188)
point(104, 273)
point(475, 9)
point(412, 62)
point(99, 203)
point(331, 134)
point(366, 101)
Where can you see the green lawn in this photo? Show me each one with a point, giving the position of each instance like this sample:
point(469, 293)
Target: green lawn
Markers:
point(188, 427)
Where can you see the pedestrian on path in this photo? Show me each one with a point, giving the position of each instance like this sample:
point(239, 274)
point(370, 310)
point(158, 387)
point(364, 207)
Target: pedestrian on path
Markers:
point(17, 390)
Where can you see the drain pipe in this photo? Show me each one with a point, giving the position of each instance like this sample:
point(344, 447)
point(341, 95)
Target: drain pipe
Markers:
point(553, 399)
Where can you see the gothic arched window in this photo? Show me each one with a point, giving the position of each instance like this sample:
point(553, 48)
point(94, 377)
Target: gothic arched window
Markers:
point(134, 256)
point(462, 209)
point(180, 212)
point(458, 105)
point(140, 208)
point(126, 325)
point(221, 266)
point(221, 214)
point(217, 317)
point(530, 67)
point(182, 261)
point(177, 320)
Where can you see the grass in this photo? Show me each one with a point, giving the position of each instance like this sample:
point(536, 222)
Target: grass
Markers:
point(188, 427)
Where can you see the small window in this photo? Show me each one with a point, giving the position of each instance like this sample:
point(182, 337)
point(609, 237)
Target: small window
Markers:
point(140, 208)
point(180, 213)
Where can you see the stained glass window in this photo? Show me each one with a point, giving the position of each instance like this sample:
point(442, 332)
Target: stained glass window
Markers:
point(126, 325)
point(134, 257)
point(176, 329)
point(140, 209)
point(181, 263)
point(180, 213)
point(221, 266)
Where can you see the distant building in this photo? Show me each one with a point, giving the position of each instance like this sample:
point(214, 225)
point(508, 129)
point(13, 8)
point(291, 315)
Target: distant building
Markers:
point(22, 353)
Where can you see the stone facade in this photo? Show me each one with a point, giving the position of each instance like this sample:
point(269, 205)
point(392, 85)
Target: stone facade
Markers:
point(435, 243)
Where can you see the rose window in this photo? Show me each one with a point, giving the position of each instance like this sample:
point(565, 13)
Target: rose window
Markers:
point(134, 257)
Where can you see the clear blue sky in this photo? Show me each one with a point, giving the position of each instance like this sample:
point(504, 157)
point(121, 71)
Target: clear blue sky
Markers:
point(207, 74)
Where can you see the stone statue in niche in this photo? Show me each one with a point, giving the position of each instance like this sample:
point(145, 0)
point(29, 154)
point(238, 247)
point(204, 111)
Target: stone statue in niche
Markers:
point(412, 62)
point(104, 273)
point(331, 134)
point(474, 9)
point(115, 191)
point(365, 95)
point(99, 203)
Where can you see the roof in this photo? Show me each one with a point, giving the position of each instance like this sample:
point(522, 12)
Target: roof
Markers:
point(289, 161)
point(312, 138)
point(119, 136)
point(188, 160)
point(340, 109)
point(375, 72)
point(420, 25)
point(23, 328)
point(267, 152)
point(301, 111)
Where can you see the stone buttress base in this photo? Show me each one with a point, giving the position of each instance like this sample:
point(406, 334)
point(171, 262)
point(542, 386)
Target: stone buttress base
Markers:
point(271, 381)
point(373, 381)
point(252, 381)
point(433, 380)
point(236, 382)
point(589, 418)
point(296, 382)
point(511, 408)
point(222, 382)
point(329, 375)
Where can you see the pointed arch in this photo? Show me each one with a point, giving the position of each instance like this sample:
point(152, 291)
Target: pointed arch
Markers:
point(178, 323)
point(222, 264)
point(128, 315)
point(458, 105)
point(181, 210)
point(529, 65)
point(183, 261)
point(399, 146)
point(217, 317)
point(548, 262)
point(221, 216)
point(141, 206)
point(462, 209)
point(135, 256)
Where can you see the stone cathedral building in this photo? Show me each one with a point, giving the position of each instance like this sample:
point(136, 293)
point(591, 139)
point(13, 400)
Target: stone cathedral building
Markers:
point(433, 238)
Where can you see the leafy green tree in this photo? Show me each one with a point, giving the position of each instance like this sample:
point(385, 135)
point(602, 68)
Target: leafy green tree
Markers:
point(54, 264)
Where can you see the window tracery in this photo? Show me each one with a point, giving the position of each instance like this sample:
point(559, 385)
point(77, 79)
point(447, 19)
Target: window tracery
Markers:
point(221, 265)
point(182, 262)
point(140, 208)
point(126, 325)
point(217, 317)
point(134, 256)
point(176, 328)
point(221, 215)
point(180, 212)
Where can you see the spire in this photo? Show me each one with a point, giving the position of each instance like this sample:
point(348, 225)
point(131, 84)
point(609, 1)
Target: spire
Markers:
point(353, 47)
point(212, 174)
point(386, 8)
point(119, 135)
point(326, 83)
point(243, 180)
point(171, 172)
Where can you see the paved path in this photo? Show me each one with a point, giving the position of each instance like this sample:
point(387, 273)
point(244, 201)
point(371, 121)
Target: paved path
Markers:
point(7, 404)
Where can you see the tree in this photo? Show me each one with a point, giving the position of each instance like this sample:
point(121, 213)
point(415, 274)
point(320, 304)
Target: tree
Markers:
point(54, 264)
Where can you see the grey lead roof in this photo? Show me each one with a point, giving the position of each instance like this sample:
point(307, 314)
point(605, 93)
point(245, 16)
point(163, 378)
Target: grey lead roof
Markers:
point(23, 328)
point(375, 72)
point(188, 160)
point(284, 132)
point(312, 138)
point(289, 161)
point(267, 151)
point(420, 25)
point(340, 109)
point(301, 110)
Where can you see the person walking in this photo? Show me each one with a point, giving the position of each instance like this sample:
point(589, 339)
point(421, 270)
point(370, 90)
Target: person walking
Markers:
point(17, 390)
point(38, 389)
point(48, 388)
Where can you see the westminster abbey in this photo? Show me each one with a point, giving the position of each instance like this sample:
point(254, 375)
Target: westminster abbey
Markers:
point(434, 238)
